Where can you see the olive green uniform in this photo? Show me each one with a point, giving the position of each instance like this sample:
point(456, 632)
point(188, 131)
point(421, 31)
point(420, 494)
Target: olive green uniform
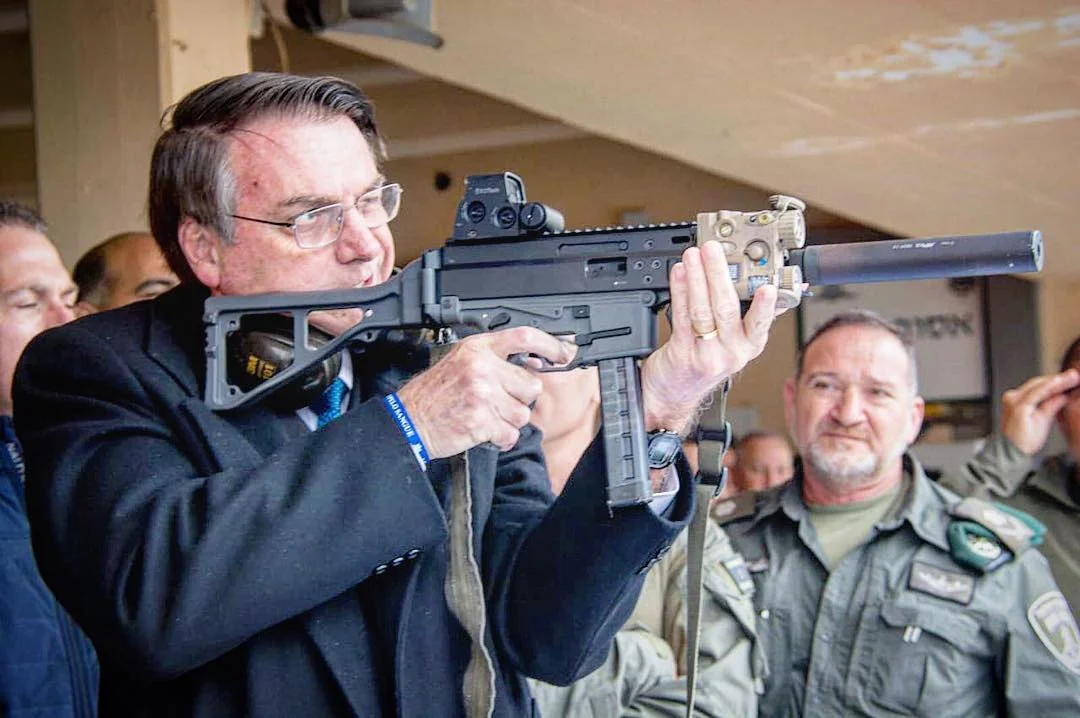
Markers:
point(1048, 491)
point(639, 677)
point(898, 627)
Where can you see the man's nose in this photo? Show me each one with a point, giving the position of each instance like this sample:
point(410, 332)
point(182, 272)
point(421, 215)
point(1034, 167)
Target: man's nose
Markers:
point(59, 313)
point(358, 241)
point(848, 409)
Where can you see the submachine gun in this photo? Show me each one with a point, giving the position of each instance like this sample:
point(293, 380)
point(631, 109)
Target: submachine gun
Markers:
point(510, 263)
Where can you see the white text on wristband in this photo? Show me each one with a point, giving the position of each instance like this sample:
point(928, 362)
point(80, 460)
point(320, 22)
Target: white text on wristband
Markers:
point(401, 418)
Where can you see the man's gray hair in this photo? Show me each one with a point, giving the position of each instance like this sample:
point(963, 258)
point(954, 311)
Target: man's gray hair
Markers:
point(190, 175)
point(16, 214)
point(863, 318)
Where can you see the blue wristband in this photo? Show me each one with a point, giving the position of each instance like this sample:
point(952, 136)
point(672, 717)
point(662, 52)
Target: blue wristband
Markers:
point(401, 418)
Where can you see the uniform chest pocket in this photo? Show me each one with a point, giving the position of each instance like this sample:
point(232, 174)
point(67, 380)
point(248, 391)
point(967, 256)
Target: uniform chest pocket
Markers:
point(722, 589)
point(730, 600)
point(921, 658)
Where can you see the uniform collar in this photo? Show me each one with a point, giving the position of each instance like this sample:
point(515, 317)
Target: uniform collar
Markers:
point(922, 504)
point(786, 498)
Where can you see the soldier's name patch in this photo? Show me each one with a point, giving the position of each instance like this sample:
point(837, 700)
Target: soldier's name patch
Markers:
point(940, 582)
point(739, 573)
point(1052, 619)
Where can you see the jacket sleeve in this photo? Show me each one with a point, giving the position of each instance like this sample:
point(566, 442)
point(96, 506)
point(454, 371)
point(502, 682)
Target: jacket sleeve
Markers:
point(641, 676)
point(1041, 667)
point(165, 555)
point(996, 471)
point(562, 581)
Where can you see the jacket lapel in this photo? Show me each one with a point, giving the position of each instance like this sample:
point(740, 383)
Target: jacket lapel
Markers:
point(175, 336)
point(243, 438)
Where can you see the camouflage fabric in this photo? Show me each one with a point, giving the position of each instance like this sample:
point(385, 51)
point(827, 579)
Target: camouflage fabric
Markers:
point(640, 676)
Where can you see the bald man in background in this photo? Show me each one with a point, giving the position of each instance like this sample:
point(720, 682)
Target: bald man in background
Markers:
point(762, 459)
point(125, 268)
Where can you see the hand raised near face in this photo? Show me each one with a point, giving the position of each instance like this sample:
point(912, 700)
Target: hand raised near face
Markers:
point(1028, 411)
point(710, 337)
point(474, 394)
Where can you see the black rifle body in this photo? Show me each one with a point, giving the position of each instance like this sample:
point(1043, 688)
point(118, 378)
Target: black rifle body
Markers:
point(604, 287)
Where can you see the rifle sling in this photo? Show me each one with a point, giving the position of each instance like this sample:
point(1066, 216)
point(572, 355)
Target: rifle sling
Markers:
point(712, 475)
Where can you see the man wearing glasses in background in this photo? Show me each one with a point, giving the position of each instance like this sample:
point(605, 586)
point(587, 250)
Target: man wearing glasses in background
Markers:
point(278, 561)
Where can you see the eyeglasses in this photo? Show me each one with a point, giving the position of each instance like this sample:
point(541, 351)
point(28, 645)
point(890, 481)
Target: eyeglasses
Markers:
point(322, 226)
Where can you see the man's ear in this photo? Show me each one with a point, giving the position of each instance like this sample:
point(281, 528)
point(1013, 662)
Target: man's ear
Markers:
point(83, 307)
point(201, 249)
point(918, 410)
point(789, 403)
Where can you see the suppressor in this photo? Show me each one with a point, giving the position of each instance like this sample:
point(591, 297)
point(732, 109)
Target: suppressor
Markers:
point(931, 258)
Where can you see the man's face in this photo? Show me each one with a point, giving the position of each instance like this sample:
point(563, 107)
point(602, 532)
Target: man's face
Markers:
point(763, 462)
point(853, 411)
point(135, 269)
point(284, 167)
point(36, 293)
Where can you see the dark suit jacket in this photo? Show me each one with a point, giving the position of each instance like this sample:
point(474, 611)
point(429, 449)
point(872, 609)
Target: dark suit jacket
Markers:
point(236, 564)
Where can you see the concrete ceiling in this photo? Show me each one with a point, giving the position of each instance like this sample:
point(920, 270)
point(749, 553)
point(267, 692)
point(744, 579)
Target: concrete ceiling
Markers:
point(919, 118)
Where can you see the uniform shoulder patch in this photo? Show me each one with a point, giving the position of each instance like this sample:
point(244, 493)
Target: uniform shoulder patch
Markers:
point(951, 585)
point(1053, 622)
point(1015, 529)
point(974, 546)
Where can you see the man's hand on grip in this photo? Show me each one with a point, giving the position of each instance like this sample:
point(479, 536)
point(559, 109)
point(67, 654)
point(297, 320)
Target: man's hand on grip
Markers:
point(475, 395)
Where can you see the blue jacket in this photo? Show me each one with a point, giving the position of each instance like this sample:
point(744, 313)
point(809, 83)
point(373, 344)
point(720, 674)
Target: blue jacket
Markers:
point(47, 666)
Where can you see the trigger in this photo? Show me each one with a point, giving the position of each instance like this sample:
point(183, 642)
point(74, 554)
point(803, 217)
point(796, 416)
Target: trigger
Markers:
point(498, 320)
point(522, 360)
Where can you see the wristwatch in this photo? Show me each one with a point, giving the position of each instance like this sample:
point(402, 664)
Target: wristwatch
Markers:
point(664, 447)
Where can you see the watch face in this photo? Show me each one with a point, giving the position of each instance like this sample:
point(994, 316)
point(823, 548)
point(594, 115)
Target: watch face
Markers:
point(664, 446)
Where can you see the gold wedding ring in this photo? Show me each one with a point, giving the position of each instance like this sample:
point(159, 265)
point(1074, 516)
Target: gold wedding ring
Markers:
point(708, 335)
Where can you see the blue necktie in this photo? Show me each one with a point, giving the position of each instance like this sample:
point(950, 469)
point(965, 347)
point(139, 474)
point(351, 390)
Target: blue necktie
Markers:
point(328, 406)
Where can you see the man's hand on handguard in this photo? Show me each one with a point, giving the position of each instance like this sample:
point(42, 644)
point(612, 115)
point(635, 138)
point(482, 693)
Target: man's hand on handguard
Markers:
point(1029, 410)
point(474, 394)
point(710, 338)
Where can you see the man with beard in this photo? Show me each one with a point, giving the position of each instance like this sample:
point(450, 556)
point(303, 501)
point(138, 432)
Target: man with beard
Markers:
point(879, 592)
